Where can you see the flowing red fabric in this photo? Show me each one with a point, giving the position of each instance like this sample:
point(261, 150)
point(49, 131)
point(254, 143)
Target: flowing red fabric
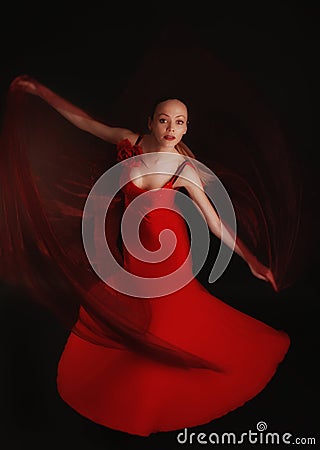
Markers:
point(45, 183)
point(48, 168)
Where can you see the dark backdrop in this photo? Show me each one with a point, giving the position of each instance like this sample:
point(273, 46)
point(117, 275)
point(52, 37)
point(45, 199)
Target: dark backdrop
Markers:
point(89, 55)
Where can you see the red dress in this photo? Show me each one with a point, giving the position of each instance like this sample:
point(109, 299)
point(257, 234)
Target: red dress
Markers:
point(129, 391)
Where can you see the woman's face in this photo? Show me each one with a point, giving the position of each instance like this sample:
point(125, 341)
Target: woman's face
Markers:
point(169, 122)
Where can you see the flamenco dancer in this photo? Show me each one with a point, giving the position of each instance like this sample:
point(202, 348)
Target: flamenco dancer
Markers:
point(144, 365)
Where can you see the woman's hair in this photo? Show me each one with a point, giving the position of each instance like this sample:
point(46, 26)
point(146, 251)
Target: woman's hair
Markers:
point(163, 99)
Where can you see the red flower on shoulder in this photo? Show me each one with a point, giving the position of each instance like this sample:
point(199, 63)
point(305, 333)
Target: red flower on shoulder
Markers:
point(127, 150)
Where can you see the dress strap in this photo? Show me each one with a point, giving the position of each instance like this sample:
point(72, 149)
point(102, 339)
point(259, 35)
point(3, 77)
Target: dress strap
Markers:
point(178, 171)
point(139, 139)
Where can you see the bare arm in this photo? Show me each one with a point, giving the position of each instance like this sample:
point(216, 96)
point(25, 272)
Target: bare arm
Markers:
point(72, 113)
point(191, 181)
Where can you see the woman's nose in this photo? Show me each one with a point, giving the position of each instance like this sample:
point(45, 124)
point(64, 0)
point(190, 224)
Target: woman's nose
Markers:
point(170, 127)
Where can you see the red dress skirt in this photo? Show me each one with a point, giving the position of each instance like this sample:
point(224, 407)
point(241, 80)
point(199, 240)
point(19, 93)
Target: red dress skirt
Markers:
point(131, 392)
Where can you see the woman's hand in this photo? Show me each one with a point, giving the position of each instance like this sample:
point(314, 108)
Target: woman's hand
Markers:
point(262, 272)
point(26, 84)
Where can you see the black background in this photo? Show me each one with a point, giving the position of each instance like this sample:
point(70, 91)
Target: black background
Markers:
point(88, 54)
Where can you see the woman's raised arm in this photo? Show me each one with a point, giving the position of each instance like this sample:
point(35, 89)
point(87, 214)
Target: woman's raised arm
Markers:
point(191, 181)
point(75, 115)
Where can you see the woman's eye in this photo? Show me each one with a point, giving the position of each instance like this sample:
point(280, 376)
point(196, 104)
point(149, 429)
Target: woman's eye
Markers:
point(178, 122)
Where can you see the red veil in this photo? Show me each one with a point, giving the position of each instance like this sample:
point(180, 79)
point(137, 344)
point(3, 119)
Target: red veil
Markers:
point(48, 168)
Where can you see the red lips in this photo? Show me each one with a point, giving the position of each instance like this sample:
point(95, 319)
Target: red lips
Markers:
point(169, 137)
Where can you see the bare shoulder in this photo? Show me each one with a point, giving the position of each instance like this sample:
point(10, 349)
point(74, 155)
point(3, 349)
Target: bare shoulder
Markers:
point(117, 134)
point(130, 135)
point(189, 177)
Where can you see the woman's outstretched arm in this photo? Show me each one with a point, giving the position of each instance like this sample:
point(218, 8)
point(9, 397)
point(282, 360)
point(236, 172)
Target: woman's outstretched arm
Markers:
point(75, 115)
point(191, 181)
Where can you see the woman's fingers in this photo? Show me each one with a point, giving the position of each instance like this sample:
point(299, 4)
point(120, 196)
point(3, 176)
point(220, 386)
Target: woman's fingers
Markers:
point(271, 279)
point(263, 273)
point(22, 82)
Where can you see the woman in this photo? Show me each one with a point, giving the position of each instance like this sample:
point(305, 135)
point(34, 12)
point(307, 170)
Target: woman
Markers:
point(158, 362)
